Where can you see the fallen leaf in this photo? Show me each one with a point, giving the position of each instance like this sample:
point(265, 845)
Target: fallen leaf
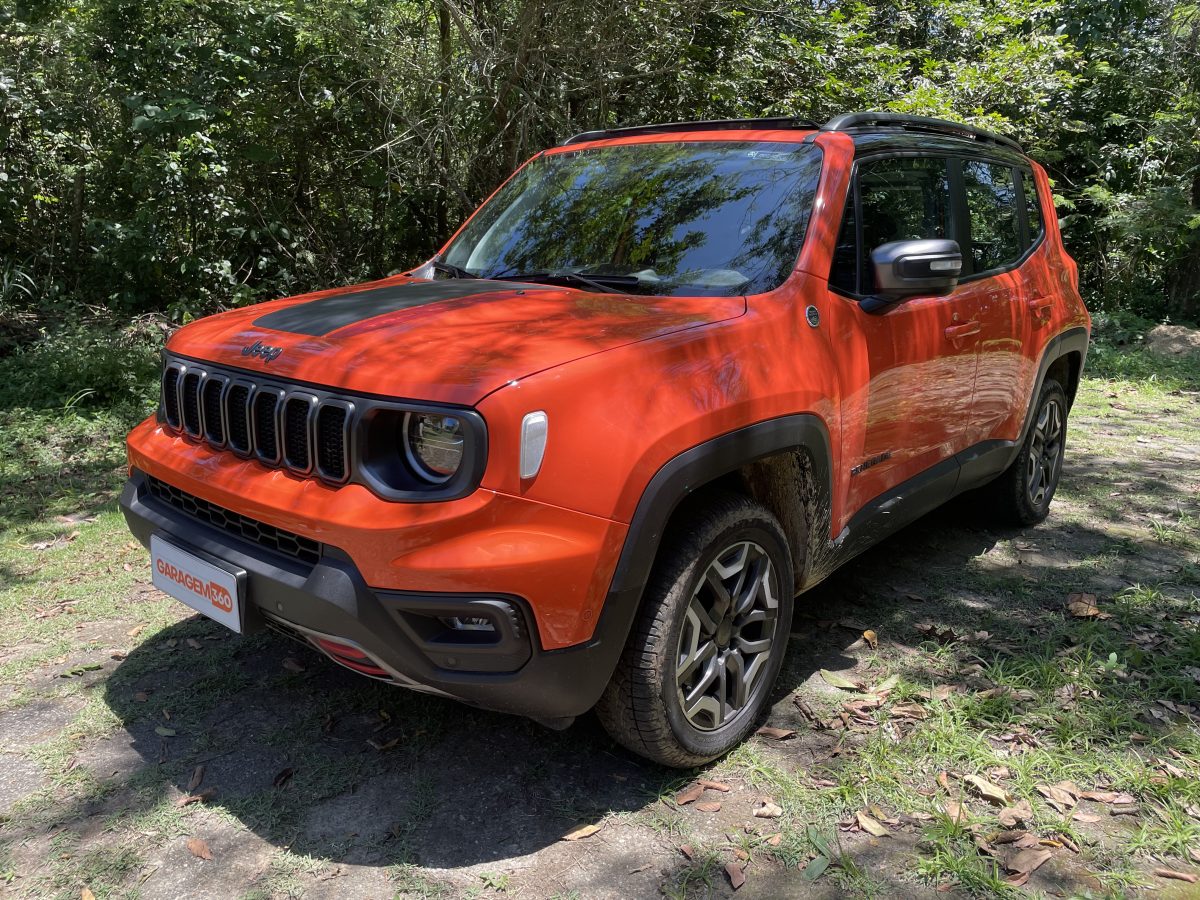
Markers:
point(293, 665)
point(710, 806)
point(1084, 818)
point(1178, 876)
point(203, 797)
point(86, 894)
point(768, 810)
point(955, 811)
point(283, 777)
point(871, 638)
point(688, 851)
point(816, 868)
point(135, 630)
point(909, 711)
point(193, 643)
point(1027, 861)
point(583, 831)
point(872, 825)
point(775, 734)
point(141, 697)
point(197, 778)
point(1008, 837)
point(1058, 796)
point(841, 681)
point(199, 848)
point(943, 779)
point(1107, 797)
point(689, 794)
point(775, 839)
point(737, 876)
point(1083, 606)
point(886, 686)
point(164, 731)
point(714, 785)
point(988, 791)
point(384, 746)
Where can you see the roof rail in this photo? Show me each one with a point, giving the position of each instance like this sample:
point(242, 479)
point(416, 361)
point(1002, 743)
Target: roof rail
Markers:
point(867, 120)
point(777, 123)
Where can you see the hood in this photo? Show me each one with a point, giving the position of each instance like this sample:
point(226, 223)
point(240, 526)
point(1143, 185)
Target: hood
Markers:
point(450, 341)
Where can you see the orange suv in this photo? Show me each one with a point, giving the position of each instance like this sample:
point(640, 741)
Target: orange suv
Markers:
point(666, 379)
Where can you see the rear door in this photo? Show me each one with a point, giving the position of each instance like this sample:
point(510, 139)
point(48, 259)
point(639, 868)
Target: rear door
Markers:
point(919, 355)
point(998, 241)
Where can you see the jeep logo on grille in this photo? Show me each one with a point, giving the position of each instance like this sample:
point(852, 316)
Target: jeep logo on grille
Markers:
point(258, 348)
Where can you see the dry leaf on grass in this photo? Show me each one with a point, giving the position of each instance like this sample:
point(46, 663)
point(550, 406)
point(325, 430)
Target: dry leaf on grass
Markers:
point(714, 785)
point(1026, 861)
point(203, 797)
point(1083, 606)
point(871, 638)
point(164, 731)
point(197, 778)
point(688, 851)
point(141, 697)
point(768, 810)
point(1062, 796)
point(841, 681)
point(199, 848)
point(710, 806)
point(1107, 797)
point(988, 791)
point(86, 894)
point(689, 794)
point(956, 811)
point(775, 734)
point(583, 831)
point(135, 630)
point(737, 875)
point(283, 777)
point(774, 840)
point(293, 665)
point(1178, 876)
point(909, 711)
point(872, 825)
point(943, 779)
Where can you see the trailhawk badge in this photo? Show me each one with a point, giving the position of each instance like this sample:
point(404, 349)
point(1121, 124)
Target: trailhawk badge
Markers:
point(258, 348)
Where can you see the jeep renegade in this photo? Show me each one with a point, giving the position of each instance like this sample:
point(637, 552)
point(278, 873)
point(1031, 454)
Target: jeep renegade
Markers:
point(666, 379)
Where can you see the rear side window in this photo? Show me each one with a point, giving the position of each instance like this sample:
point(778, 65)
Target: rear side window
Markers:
point(898, 199)
point(1033, 208)
point(995, 223)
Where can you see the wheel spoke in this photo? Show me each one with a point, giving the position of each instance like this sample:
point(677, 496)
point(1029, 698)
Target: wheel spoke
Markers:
point(697, 655)
point(735, 668)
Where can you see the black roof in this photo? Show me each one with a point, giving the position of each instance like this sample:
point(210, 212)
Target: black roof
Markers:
point(852, 123)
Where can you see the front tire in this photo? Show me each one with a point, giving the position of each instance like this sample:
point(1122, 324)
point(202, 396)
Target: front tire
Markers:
point(1023, 493)
point(710, 637)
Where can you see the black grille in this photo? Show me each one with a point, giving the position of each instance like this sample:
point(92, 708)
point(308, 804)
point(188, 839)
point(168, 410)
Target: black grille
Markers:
point(308, 432)
point(214, 428)
point(301, 548)
point(331, 442)
point(237, 407)
point(295, 433)
point(266, 434)
point(170, 396)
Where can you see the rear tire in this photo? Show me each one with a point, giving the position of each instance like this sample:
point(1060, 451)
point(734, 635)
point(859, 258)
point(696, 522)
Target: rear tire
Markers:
point(1022, 494)
point(709, 639)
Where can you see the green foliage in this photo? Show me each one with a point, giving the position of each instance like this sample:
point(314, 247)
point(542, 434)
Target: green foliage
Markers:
point(188, 155)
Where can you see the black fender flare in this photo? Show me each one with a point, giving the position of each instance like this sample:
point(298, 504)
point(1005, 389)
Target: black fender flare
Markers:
point(1073, 340)
point(680, 477)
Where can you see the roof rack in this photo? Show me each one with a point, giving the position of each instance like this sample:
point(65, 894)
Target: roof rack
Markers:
point(777, 123)
point(868, 120)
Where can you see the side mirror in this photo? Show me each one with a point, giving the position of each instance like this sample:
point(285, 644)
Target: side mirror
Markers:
point(907, 268)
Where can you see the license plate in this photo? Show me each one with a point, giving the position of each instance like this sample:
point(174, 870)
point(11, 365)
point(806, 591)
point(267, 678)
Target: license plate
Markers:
point(206, 588)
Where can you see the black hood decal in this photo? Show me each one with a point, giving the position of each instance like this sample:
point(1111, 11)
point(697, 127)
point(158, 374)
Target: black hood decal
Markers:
point(319, 317)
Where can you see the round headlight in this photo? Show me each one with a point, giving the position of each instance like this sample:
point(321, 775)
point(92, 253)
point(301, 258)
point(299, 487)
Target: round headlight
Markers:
point(433, 444)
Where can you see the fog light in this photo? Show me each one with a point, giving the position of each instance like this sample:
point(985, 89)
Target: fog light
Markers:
point(467, 623)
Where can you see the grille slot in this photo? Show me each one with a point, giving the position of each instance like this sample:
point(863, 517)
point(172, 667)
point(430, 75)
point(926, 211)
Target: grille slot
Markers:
point(211, 392)
point(266, 430)
point(237, 415)
point(190, 401)
point(296, 450)
point(332, 417)
point(170, 395)
point(285, 542)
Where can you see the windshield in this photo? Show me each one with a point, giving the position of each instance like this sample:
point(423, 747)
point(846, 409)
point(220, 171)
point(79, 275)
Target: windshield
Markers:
point(706, 219)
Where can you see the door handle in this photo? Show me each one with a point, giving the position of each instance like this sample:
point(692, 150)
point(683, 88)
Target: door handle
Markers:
point(958, 332)
point(1041, 306)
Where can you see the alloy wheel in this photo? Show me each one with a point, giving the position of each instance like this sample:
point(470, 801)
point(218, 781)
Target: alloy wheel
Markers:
point(727, 636)
point(1045, 452)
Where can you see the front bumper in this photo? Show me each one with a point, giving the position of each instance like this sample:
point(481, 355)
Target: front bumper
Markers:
point(322, 598)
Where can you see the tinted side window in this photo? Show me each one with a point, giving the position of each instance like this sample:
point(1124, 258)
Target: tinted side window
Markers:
point(844, 272)
point(902, 199)
point(994, 222)
point(1032, 206)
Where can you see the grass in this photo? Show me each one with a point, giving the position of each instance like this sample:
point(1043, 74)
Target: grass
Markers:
point(1044, 698)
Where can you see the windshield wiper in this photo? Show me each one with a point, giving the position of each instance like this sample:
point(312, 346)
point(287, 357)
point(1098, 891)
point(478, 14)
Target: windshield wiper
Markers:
point(452, 270)
point(608, 284)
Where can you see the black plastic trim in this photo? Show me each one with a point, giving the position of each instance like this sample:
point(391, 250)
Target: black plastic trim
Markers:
point(874, 121)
